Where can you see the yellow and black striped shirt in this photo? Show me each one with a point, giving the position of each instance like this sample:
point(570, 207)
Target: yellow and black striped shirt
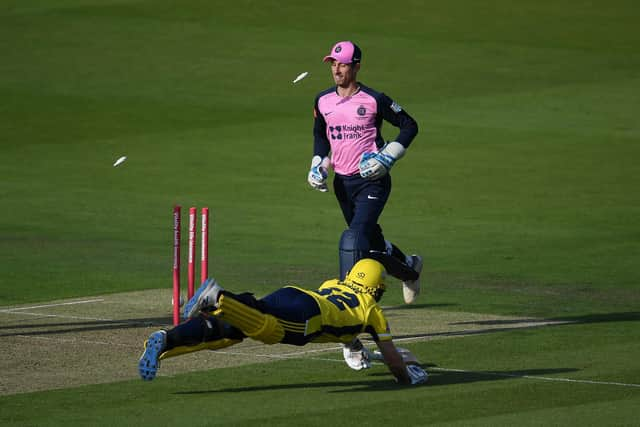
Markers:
point(344, 314)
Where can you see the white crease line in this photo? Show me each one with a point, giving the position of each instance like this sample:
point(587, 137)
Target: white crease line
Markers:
point(65, 317)
point(535, 377)
point(73, 341)
point(281, 355)
point(12, 310)
point(278, 356)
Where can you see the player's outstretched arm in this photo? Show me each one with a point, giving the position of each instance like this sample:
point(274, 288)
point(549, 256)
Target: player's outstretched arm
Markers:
point(405, 373)
point(394, 361)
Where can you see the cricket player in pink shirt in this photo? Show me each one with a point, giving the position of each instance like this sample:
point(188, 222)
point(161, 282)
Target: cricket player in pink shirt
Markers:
point(348, 118)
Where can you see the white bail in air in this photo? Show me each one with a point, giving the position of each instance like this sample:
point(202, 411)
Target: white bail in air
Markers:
point(120, 161)
point(301, 76)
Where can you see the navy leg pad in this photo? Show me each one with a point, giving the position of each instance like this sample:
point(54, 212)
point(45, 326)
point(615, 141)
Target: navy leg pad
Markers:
point(353, 247)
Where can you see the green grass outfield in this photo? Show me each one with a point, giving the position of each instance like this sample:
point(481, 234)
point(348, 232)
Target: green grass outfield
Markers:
point(521, 190)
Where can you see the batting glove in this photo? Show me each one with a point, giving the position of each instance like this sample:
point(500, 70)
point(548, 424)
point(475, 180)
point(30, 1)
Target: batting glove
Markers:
point(416, 374)
point(318, 173)
point(376, 165)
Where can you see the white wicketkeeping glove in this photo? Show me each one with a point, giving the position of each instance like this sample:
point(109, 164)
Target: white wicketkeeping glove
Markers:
point(376, 165)
point(357, 359)
point(318, 173)
point(416, 374)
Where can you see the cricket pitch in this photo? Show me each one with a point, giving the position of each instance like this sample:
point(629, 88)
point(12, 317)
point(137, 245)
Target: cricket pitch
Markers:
point(96, 340)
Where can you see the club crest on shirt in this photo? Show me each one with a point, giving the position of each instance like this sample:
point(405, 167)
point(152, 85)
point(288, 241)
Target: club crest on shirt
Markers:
point(361, 110)
point(395, 107)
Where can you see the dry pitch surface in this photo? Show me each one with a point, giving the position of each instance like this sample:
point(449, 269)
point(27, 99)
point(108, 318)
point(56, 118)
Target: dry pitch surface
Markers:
point(99, 339)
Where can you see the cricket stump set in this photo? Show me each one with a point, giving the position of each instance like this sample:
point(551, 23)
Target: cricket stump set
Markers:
point(204, 254)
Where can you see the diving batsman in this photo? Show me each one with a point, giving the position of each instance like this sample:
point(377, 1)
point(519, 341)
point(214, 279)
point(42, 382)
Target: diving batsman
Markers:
point(338, 311)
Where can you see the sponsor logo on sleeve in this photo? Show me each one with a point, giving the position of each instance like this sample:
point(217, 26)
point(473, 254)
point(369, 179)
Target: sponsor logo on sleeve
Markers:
point(395, 107)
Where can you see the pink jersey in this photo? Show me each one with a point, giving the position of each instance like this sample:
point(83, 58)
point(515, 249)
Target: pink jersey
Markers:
point(351, 126)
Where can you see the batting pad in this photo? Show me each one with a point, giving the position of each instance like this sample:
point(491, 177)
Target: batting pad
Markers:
point(209, 345)
point(253, 323)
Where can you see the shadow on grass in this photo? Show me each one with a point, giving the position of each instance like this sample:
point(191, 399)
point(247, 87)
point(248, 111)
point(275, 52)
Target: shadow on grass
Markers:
point(513, 324)
point(43, 329)
point(450, 377)
point(631, 316)
point(386, 384)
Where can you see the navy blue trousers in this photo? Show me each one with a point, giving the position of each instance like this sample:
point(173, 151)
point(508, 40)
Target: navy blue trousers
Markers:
point(362, 202)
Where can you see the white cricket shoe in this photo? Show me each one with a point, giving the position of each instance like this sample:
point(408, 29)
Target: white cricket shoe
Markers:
point(411, 288)
point(206, 296)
